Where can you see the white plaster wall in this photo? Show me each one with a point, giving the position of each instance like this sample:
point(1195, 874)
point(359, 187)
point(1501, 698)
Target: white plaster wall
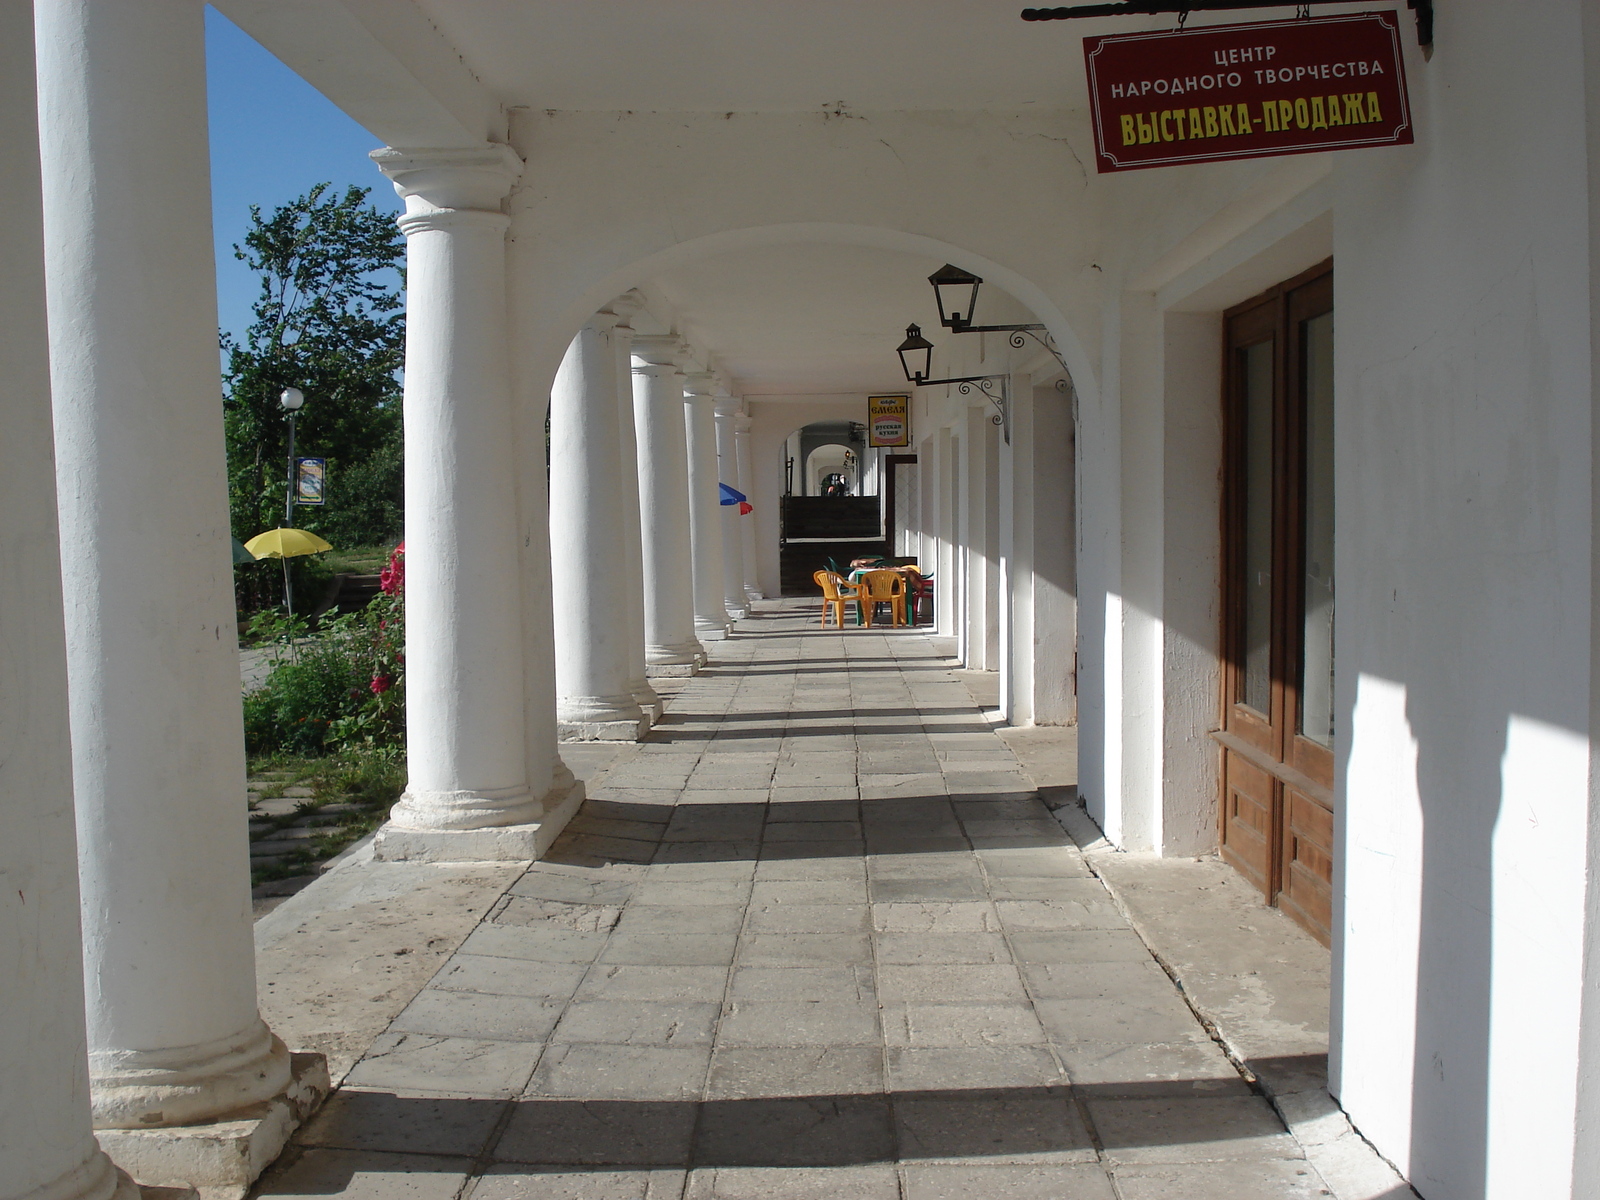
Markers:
point(1464, 483)
point(1052, 538)
point(1191, 568)
point(1586, 1169)
point(1142, 594)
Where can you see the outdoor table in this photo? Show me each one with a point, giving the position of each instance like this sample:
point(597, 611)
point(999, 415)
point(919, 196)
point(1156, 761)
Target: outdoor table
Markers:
point(855, 577)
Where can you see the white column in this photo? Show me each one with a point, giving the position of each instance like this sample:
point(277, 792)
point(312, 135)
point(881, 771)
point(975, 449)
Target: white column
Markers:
point(711, 621)
point(728, 411)
point(153, 660)
point(669, 631)
point(589, 570)
point(624, 307)
point(1016, 558)
point(468, 795)
point(979, 468)
point(47, 1145)
point(526, 321)
point(747, 521)
point(947, 586)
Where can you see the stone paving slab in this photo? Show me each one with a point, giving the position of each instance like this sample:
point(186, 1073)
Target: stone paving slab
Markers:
point(817, 936)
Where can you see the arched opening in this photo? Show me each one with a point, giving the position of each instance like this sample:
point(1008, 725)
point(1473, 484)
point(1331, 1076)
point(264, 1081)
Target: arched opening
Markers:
point(799, 324)
point(831, 470)
point(831, 510)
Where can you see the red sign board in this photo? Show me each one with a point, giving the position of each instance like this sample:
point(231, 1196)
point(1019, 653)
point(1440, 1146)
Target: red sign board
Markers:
point(1247, 91)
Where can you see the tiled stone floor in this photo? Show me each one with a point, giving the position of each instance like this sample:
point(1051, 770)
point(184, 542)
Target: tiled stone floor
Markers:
point(816, 938)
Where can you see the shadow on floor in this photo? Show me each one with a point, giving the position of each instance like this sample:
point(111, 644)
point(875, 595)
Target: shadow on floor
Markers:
point(1067, 1123)
point(629, 831)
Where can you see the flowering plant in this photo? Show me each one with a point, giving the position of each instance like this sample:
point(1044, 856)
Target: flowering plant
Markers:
point(381, 718)
point(344, 686)
point(392, 579)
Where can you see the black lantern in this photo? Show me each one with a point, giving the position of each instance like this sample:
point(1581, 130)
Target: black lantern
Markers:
point(957, 291)
point(916, 355)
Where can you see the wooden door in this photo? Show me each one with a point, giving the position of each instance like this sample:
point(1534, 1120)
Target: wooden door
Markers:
point(1277, 702)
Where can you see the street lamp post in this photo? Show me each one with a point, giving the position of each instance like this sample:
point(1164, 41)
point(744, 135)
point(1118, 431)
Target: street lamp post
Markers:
point(289, 400)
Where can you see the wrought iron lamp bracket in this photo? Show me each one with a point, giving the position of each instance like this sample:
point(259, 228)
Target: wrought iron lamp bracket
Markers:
point(1018, 339)
point(984, 386)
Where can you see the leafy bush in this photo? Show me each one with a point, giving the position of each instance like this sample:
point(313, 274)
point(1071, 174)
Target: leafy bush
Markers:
point(312, 686)
point(343, 689)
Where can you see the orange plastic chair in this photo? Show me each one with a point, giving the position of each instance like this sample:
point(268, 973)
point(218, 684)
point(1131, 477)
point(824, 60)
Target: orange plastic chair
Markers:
point(836, 593)
point(883, 587)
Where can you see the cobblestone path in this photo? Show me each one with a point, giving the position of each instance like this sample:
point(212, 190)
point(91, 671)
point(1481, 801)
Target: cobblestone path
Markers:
point(818, 937)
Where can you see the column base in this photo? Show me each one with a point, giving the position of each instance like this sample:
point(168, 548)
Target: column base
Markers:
point(600, 718)
point(675, 661)
point(603, 731)
point(738, 612)
point(712, 631)
point(648, 701)
point(181, 1086)
point(220, 1159)
point(674, 670)
point(497, 843)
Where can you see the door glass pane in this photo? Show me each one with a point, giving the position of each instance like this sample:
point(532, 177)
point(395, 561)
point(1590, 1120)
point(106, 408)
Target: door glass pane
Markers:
point(1316, 664)
point(1257, 558)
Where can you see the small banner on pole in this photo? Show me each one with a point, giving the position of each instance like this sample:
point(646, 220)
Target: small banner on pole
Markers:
point(310, 480)
point(888, 420)
point(1247, 91)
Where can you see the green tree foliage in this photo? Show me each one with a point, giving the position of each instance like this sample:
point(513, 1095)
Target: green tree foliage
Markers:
point(329, 321)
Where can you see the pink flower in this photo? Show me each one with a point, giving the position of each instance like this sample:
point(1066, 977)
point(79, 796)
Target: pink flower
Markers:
point(381, 684)
point(392, 579)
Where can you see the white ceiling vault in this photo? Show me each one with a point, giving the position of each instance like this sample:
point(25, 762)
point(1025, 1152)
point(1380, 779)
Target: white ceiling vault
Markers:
point(782, 55)
point(763, 55)
point(802, 319)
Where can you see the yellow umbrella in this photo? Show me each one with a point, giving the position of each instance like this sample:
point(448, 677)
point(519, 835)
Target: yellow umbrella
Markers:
point(285, 543)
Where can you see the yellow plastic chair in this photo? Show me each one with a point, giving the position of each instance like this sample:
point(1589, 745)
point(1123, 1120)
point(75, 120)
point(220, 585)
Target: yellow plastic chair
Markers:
point(836, 593)
point(883, 587)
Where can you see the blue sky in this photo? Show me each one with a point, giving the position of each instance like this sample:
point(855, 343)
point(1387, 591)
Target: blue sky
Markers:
point(273, 137)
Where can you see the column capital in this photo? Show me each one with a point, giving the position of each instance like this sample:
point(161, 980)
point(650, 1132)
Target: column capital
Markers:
point(453, 180)
point(658, 349)
point(604, 321)
point(743, 423)
point(625, 305)
point(700, 385)
point(729, 406)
